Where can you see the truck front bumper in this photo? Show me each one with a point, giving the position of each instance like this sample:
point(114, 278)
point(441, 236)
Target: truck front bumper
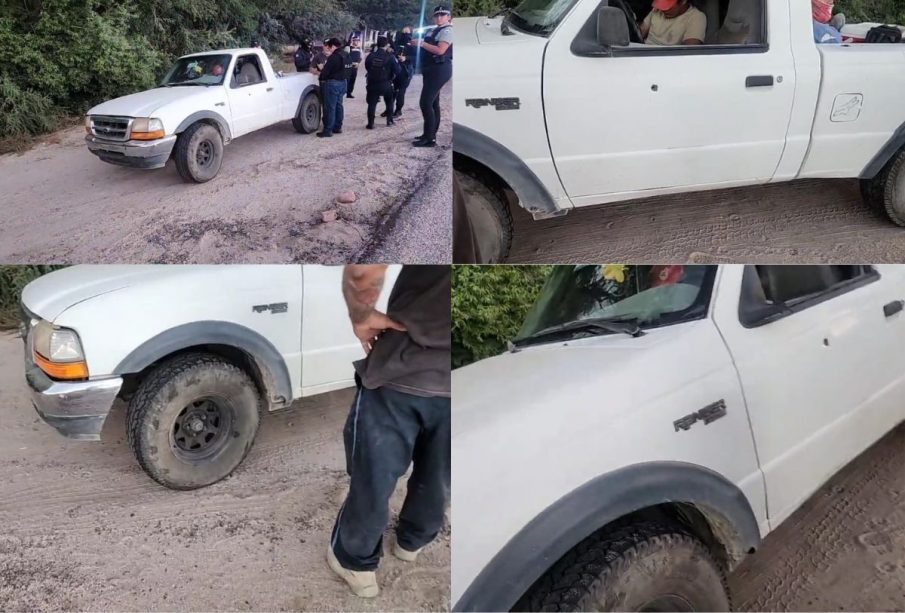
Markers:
point(77, 409)
point(133, 153)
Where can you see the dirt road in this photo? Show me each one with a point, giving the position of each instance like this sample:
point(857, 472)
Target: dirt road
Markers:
point(83, 528)
point(842, 551)
point(61, 204)
point(806, 222)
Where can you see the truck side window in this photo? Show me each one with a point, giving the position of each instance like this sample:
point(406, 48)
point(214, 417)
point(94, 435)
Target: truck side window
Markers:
point(724, 26)
point(247, 72)
point(772, 292)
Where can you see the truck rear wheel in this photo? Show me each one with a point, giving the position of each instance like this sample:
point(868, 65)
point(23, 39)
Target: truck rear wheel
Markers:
point(199, 153)
point(885, 193)
point(647, 566)
point(193, 420)
point(490, 217)
point(309, 115)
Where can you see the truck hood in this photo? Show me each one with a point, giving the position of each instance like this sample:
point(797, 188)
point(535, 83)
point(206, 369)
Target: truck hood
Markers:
point(531, 382)
point(146, 103)
point(49, 296)
point(487, 51)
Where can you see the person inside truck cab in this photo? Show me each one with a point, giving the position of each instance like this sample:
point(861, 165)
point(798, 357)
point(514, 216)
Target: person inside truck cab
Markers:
point(674, 22)
point(826, 26)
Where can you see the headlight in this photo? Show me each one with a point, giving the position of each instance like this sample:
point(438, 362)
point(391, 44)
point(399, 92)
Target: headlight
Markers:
point(58, 352)
point(147, 128)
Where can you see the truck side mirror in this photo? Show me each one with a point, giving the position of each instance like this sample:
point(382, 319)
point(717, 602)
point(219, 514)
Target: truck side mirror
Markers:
point(612, 27)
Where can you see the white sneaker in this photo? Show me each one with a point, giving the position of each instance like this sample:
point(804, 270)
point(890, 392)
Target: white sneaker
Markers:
point(362, 582)
point(404, 554)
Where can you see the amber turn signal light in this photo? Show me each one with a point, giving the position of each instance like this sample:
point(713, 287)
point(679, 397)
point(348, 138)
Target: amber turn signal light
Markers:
point(148, 135)
point(64, 371)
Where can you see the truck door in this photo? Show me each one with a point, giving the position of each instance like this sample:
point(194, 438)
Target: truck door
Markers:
point(252, 99)
point(818, 353)
point(648, 119)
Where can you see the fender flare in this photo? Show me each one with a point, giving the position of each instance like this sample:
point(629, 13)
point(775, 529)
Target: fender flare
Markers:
point(268, 361)
point(577, 515)
point(222, 124)
point(532, 195)
point(889, 150)
point(311, 88)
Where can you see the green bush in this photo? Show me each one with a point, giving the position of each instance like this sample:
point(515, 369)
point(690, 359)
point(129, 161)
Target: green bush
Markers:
point(12, 280)
point(488, 306)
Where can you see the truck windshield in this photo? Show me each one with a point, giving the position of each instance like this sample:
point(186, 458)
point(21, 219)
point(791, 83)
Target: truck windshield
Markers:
point(539, 16)
point(643, 296)
point(198, 70)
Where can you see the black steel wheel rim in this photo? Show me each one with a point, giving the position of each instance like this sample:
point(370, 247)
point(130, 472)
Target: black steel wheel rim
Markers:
point(311, 112)
point(667, 602)
point(202, 428)
point(205, 153)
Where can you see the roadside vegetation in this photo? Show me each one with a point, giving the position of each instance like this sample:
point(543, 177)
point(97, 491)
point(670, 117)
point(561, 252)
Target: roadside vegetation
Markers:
point(62, 57)
point(488, 306)
point(12, 280)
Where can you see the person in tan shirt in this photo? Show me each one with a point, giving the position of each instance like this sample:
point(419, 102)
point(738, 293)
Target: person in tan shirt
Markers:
point(674, 22)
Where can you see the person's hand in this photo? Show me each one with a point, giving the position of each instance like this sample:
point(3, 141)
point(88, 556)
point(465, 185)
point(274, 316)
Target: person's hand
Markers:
point(372, 327)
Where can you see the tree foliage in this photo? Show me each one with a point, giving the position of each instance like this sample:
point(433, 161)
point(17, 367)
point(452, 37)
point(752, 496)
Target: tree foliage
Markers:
point(489, 304)
point(60, 57)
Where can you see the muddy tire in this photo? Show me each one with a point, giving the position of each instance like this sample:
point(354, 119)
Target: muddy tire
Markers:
point(193, 420)
point(308, 119)
point(646, 566)
point(490, 217)
point(199, 153)
point(885, 193)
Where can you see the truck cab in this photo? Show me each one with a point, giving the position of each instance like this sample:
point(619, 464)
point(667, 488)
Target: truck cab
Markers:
point(195, 351)
point(659, 421)
point(205, 101)
point(561, 104)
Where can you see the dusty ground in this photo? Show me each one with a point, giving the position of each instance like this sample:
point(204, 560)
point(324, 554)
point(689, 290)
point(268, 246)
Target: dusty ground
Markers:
point(842, 551)
point(61, 204)
point(804, 222)
point(82, 527)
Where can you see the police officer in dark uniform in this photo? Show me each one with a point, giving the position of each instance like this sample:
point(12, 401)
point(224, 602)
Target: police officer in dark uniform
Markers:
point(436, 67)
point(302, 56)
point(352, 63)
point(381, 68)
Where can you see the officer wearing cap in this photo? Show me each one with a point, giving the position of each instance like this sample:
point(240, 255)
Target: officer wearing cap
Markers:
point(674, 22)
point(436, 67)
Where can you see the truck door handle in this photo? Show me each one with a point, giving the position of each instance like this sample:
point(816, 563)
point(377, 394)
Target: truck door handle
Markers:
point(894, 307)
point(759, 81)
point(270, 89)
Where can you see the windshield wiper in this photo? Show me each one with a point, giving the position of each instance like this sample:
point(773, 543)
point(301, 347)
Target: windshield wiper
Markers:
point(622, 325)
point(186, 83)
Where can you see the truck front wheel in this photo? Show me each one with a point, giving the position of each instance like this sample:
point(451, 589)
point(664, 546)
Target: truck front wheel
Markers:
point(490, 217)
point(309, 116)
point(885, 193)
point(193, 420)
point(647, 566)
point(199, 153)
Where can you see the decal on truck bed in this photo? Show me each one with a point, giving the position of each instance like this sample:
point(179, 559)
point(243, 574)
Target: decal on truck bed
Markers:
point(500, 104)
point(708, 414)
point(276, 307)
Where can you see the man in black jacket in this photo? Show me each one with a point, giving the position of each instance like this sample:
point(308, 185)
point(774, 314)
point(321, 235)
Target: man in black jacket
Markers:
point(352, 63)
point(401, 82)
point(381, 67)
point(333, 87)
point(302, 56)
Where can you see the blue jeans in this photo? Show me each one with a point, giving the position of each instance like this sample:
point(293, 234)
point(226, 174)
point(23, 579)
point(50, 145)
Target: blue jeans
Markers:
point(334, 91)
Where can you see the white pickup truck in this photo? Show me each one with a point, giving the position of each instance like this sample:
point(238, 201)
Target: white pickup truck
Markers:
point(196, 351)
point(558, 104)
point(651, 424)
point(204, 101)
